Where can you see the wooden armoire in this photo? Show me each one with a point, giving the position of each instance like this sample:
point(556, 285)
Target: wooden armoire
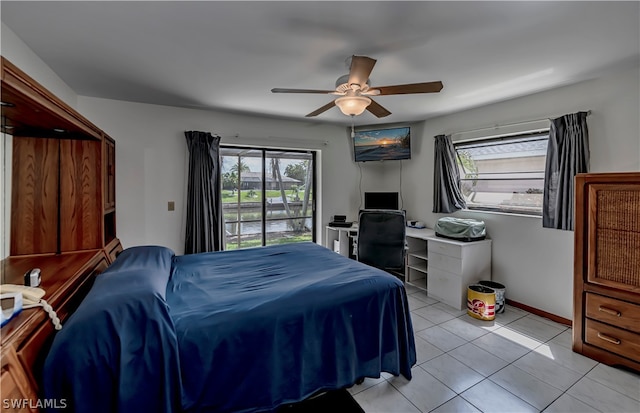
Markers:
point(606, 320)
point(62, 221)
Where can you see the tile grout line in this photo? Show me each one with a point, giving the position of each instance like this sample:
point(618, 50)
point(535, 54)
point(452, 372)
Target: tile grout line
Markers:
point(509, 363)
point(528, 329)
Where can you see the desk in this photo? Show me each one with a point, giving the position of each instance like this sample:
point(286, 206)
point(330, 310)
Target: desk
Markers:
point(443, 268)
point(340, 239)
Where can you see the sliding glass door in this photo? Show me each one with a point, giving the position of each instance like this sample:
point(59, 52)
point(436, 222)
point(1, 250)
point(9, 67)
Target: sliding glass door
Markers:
point(268, 196)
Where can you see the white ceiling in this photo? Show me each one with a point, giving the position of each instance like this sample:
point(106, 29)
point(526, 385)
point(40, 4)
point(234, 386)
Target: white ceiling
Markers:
point(228, 55)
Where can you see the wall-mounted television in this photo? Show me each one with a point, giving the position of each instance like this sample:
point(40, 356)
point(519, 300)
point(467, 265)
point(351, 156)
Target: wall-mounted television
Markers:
point(382, 144)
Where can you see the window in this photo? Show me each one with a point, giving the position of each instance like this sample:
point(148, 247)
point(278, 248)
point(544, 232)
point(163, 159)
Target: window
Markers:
point(267, 196)
point(505, 173)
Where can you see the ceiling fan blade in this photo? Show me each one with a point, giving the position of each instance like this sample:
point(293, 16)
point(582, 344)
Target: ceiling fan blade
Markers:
point(361, 67)
point(427, 87)
point(284, 90)
point(377, 109)
point(321, 110)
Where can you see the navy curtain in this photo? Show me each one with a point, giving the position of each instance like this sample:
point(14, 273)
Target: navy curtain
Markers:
point(205, 225)
point(447, 196)
point(567, 155)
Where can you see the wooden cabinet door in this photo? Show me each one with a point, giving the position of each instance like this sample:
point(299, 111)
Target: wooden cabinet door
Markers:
point(80, 195)
point(613, 231)
point(56, 195)
point(34, 196)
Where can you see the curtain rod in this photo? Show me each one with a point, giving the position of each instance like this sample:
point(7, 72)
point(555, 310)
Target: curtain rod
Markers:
point(281, 140)
point(498, 126)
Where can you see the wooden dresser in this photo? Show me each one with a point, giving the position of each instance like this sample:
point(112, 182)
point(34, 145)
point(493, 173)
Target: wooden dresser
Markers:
point(62, 221)
point(606, 323)
point(66, 278)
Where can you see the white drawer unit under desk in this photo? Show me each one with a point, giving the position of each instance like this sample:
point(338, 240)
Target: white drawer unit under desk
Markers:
point(453, 266)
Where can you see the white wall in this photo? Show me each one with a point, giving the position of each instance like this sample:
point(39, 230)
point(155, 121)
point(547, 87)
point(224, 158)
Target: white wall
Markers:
point(151, 161)
point(536, 264)
point(150, 153)
point(18, 53)
point(387, 176)
point(14, 49)
point(6, 148)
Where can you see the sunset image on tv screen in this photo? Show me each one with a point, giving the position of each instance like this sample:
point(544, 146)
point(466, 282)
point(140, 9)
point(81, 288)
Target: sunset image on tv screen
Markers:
point(382, 144)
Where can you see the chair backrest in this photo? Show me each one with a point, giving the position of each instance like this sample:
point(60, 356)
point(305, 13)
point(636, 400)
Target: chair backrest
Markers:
point(381, 238)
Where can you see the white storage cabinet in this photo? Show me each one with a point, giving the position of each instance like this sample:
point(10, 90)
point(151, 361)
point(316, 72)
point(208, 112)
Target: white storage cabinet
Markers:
point(453, 266)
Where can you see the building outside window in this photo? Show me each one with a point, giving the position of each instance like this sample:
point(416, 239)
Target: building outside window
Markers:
point(267, 196)
point(505, 173)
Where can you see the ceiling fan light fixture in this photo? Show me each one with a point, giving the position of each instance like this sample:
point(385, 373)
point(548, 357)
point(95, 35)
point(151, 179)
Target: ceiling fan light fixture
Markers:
point(352, 105)
point(354, 88)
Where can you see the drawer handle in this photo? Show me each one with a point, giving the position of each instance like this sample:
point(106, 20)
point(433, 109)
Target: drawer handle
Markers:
point(610, 311)
point(609, 338)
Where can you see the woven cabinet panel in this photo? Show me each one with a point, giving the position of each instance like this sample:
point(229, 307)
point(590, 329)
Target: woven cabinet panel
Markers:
point(618, 236)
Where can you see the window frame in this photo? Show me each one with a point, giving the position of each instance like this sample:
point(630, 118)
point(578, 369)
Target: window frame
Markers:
point(506, 138)
point(264, 155)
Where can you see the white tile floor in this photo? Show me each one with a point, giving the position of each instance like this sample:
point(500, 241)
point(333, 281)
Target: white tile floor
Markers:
point(519, 362)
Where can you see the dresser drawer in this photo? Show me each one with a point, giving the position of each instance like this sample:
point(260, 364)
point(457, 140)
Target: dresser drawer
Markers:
point(445, 263)
point(613, 339)
point(444, 248)
point(17, 396)
point(609, 310)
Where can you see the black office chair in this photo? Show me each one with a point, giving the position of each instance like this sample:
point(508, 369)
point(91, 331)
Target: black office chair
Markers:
point(381, 238)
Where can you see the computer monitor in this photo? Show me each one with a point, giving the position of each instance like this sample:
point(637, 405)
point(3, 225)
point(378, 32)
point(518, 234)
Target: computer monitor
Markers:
point(381, 200)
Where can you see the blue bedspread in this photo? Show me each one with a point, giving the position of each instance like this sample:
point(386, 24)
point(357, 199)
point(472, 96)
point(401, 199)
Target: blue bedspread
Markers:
point(118, 352)
point(241, 331)
point(264, 326)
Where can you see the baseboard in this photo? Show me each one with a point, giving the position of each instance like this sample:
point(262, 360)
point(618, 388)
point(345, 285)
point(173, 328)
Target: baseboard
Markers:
point(540, 313)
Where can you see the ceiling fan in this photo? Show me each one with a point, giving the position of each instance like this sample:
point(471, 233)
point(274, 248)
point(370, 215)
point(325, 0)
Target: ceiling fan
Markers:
point(355, 90)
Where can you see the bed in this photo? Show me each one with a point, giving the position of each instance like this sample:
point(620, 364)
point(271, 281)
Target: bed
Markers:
point(232, 331)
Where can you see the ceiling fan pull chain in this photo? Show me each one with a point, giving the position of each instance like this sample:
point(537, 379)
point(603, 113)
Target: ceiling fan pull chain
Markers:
point(353, 133)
